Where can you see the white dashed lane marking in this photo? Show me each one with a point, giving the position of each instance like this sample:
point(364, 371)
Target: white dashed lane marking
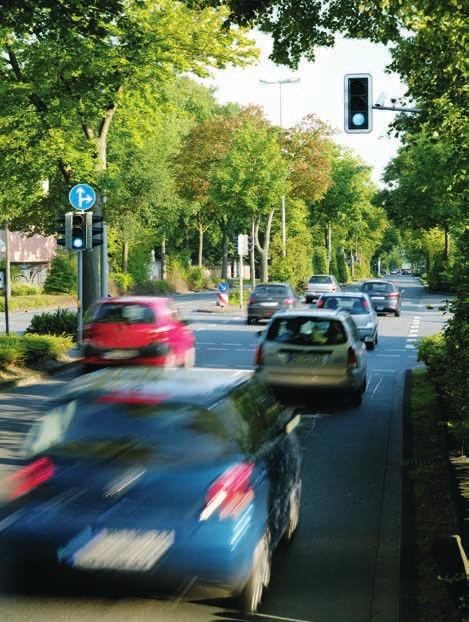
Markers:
point(413, 333)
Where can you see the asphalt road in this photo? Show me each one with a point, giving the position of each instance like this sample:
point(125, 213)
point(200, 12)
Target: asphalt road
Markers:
point(342, 565)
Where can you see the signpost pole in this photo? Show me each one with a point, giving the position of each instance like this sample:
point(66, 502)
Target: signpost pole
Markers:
point(80, 297)
point(104, 265)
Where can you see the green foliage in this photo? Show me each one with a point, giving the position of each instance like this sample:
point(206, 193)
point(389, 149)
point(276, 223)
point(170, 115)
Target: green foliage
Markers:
point(24, 289)
point(235, 295)
point(343, 272)
point(61, 278)
point(122, 280)
point(198, 278)
point(139, 260)
point(60, 322)
point(155, 288)
point(333, 266)
point(40, 301)
point(320, 260)
point(32, 349)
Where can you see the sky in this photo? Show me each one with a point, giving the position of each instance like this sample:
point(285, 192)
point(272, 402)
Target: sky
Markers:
point(319, 91)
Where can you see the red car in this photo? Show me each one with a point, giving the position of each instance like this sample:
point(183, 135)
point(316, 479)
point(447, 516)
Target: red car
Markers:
point(136, 331)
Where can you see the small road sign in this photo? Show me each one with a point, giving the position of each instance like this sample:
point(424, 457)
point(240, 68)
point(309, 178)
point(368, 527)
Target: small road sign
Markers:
point(222, 299)
point(82, 197)
point(223, 287)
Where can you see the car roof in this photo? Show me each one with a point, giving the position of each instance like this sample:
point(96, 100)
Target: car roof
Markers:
point(269, 284)
point(146, 300)
point(330, 275)
point(342, 294)
point(378, 281)
point(201, 387)
point(327, 314)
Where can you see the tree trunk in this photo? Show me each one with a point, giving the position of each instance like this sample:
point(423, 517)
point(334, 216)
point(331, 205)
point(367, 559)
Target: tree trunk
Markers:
point(7, 258)
point(224, 258)
point(164, 274)
point(253, 254)
point(329, 245)
point(352, 264)
point(264, 251)
point(125, 256)
point(201, 246)
point(446, 244)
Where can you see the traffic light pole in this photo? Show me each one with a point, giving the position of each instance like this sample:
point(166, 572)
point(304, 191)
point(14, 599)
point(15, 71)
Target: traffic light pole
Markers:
point(80, 297)
point(240, 281)
point(104, 264)
point(395, 108)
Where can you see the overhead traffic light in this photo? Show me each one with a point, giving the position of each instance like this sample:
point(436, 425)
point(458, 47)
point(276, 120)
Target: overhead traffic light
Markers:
point(358, 103)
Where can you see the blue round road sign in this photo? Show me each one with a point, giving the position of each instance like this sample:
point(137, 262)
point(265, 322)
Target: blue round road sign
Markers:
point(223, 288)
point(82, 197)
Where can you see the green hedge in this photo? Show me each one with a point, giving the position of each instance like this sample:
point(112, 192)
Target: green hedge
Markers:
point(24, 289)
point(32, 349)
point(60, 322)
point(197, 278)
point(154, 288)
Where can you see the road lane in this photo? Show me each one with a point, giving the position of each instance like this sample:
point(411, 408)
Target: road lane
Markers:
point(341, 565)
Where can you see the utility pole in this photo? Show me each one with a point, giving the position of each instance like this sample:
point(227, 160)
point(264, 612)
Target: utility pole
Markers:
point(280, 82)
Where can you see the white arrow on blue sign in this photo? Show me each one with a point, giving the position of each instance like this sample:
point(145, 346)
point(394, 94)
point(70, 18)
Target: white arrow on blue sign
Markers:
point(223, 288)
point(82, 197)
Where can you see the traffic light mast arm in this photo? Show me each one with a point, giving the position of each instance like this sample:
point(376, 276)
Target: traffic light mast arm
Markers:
point(396, 108)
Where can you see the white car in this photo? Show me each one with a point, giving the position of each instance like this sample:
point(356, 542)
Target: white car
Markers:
point(313, 349)
point(321, 284)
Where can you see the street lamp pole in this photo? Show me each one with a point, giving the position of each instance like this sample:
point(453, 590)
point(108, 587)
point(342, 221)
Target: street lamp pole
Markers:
point(280, 82)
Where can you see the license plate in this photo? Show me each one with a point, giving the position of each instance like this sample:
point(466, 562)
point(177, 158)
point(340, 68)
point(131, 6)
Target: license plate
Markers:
point(120, 354)
point(269, 304)
point(304, 358)
point(123, 549)
point(380, 308)
point(377, 298)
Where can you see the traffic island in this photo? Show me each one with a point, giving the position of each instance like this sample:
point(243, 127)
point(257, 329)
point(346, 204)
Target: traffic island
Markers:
point(433, 571)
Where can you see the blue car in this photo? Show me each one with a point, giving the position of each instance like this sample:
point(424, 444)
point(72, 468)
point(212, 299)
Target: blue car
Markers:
point(183, 479)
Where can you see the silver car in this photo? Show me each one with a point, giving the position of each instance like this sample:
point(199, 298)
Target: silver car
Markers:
point(313, 349)
point(360, 308)
point(321, 284)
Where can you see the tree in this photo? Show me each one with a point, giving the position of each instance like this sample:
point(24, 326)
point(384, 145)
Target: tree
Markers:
point(61, 278)
point(74, 70)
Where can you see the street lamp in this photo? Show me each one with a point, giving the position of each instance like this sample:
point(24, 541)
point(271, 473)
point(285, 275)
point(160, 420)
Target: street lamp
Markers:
point(280, 82)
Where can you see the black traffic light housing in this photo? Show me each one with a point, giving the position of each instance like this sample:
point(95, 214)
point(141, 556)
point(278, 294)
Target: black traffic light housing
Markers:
point(81, 231)
point(358, 103)
point(65, 229)
point(96, 225)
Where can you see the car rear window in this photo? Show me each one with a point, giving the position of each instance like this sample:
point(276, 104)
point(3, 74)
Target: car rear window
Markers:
point(307, 331)
point(270, 290)
point(354, 305)
point(382, 288)
point(123, 430)
point(123, 313)
point(321, 279)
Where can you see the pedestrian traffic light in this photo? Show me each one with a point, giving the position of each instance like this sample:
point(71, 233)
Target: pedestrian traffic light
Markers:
point(96, 225)
point(65, 229)
point(358, 102)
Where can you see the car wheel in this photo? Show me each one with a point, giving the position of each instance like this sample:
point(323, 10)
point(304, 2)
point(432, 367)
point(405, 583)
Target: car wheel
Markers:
point(397, 312)
point(249, 320)
point(189, 358)
point(376, 339)
point(259, 577)
point(370, 345)
point(294, 512)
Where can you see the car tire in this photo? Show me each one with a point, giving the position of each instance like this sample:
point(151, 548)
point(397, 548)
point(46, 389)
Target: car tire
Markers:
point(397, 313)
point(189, 358)
point(249, 320)
point(293, 512)
point(376, 339)
point(259, 577)
point(308, 300)
point(370, 345)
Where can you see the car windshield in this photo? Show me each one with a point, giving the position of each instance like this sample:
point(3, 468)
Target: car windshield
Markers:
point(270, 290)
point(321, 279)
point(378, 288)
point(116, 427)
point(307, 331)
point(123, 313)
point(354, 305)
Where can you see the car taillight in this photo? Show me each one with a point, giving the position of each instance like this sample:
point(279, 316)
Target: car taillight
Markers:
point(334, 289)
point(288, 301)
point(259, 357)
point(320, 303)
point(393, 295)
point(351, 359)
point(365, 304)
point(28, 478)
point(230, 493)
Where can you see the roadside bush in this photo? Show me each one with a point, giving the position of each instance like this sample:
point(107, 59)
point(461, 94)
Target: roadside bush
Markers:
point(32, 349)
point(343, 272)
point(440, 274)
point(320, 260)
point(155, 288)
point(296, 267)
point(122, 280)
point(234, 296)
point(198, 278)
point(139, 261)
point(60, 322)
point(61, 278)
point(24, 289)
point(333, 267)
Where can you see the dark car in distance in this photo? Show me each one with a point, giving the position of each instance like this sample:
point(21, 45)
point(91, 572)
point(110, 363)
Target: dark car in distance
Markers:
point(268, 298)
point(384, 295)
point(157, 477)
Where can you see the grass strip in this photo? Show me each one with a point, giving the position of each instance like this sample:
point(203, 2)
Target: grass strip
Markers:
point(39, 301)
